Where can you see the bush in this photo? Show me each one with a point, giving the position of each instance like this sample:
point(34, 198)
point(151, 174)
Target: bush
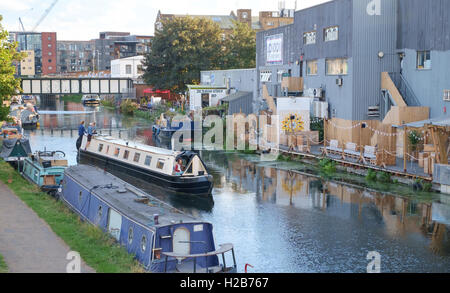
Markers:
point(128, 107)
point(384, 177)
point(327, 166)
point(371, 176)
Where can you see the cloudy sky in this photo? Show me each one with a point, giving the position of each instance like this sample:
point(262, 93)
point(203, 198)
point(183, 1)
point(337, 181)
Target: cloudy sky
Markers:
point(84, 19)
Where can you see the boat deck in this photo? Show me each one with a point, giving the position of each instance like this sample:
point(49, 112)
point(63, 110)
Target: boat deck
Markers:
point(127, 199)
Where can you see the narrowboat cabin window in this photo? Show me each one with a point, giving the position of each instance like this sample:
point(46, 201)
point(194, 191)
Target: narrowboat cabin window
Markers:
point(126, 154)
point(80, 197)
point(130, 236)
point(100, 212)
point(148, 160)
point(144, 243)
point(137, 157)
point(160, 164)
point(100, 148)
point(423, 60)
point(338, 66)
point(107, 149)
point(116, 152)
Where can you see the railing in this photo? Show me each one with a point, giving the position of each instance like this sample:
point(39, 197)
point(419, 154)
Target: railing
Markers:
point(405, 89)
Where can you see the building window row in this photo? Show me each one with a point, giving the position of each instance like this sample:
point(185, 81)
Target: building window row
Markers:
point(335, 66)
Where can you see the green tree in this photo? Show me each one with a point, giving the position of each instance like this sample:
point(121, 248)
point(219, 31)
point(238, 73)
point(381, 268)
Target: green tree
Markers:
point(241, 47)
point(180, 50)
point(9, 85)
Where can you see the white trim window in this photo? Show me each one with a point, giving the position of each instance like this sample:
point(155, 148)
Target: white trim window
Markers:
point(337, 66)
point(447, 95)
point(309, 38)
point(280, 75)
point(331, 34)
point(423, 60)
point(266, 76)
point(311, 67)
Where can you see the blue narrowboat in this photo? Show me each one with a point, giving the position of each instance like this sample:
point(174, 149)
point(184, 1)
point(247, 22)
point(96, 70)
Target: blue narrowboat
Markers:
point(162, 238)
point(45, 169)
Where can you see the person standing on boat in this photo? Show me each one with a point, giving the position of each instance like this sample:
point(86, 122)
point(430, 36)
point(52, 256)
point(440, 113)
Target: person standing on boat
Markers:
point(91, 131)
point(178, 168)
point(81, 132)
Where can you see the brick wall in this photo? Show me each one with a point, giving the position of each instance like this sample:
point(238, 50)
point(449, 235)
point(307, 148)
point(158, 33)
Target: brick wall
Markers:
point(48, 53)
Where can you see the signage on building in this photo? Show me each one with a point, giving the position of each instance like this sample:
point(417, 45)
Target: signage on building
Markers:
point(274, 46)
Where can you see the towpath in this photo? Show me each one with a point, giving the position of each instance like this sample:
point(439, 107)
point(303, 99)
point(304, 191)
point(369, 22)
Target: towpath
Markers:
point(27, 243)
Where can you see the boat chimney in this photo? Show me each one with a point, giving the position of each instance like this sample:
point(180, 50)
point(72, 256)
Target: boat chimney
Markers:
point(156, 219)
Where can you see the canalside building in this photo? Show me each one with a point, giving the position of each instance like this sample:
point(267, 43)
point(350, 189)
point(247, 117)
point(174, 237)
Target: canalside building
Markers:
point(363, 57)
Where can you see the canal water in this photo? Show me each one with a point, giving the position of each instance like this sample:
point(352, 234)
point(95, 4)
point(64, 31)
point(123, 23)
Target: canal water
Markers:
point(280, 221)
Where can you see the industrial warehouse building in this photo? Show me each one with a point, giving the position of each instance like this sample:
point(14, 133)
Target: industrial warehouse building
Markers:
point(364, 58)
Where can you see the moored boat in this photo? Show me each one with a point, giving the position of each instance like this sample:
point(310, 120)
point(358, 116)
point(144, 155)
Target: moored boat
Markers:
point(45, 169)
point(150, 164)
point(162, 238)
point(26, 114)
point(15, 150)
point(91, 100)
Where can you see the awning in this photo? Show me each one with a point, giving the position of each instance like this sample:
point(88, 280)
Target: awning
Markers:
point(440, 121)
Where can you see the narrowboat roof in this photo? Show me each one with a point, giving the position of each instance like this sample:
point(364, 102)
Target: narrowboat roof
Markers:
point(135, 145)
point(127, 199)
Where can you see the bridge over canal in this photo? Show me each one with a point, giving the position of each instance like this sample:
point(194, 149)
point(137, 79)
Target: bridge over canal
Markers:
point(68, 86)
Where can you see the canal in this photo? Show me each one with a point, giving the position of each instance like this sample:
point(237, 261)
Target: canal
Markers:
point(281, 221)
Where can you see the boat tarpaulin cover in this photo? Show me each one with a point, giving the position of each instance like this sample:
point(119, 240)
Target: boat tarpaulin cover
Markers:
point(17, 148)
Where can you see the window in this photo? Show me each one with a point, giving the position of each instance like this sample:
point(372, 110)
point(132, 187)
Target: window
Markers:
point(423, 60)
point(311, 67)
point(331, 34)
point(160, 164)
point(49, 53)
point(107, 149)
point(266, 76)
point(270, 23)
point(144, 243)
point(50, 68)
point(137, 157)
point(49, 60)
point(280, 74)
point(99, 212)
point(80, 197)
point(49, 45)
point(309, 38)
point(116, 152)
point(130, 236)
point(49, 38)
point(100, 148)
point(126, 154)
point(447, 95)
point(148, 160)
point(336, 66)
point(128, 69)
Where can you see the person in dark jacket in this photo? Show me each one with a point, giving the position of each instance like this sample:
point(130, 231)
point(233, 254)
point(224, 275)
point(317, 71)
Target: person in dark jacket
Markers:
point(81, 132)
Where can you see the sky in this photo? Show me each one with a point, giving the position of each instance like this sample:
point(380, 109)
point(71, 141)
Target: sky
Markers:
point(84, 19)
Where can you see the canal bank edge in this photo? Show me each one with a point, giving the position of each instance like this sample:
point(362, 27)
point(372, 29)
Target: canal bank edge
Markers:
point(3, 265)
point(96, 248)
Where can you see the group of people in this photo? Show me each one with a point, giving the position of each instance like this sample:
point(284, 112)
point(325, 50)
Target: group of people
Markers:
point(91, 131)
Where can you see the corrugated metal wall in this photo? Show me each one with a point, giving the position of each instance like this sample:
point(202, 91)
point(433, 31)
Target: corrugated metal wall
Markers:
point(372, 34)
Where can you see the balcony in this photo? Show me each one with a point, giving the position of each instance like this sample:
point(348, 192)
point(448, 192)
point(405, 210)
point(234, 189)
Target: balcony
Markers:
point(292, 84)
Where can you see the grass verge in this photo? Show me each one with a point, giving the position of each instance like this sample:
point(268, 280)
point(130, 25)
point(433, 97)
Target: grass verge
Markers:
point(97, 249)
point(3, 266)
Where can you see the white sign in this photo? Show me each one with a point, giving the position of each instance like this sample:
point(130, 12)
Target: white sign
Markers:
point(275, 49)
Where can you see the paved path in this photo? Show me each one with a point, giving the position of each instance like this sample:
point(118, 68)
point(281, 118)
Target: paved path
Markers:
point(27, 243)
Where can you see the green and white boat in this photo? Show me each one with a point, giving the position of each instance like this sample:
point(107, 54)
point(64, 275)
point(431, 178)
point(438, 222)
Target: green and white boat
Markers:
point(45, 169)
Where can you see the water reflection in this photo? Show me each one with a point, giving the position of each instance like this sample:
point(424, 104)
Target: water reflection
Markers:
point(281, 221)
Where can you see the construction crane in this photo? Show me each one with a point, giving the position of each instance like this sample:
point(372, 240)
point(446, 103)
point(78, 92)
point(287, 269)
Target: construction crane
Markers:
point(21, 24)
point(47, 11)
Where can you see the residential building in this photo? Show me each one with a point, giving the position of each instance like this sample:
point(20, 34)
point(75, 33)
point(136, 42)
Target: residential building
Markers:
point(76, 56)
point(346, 52)
point(130, 67)
point(27, 65)
point(265, 20)
point(43, 44)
